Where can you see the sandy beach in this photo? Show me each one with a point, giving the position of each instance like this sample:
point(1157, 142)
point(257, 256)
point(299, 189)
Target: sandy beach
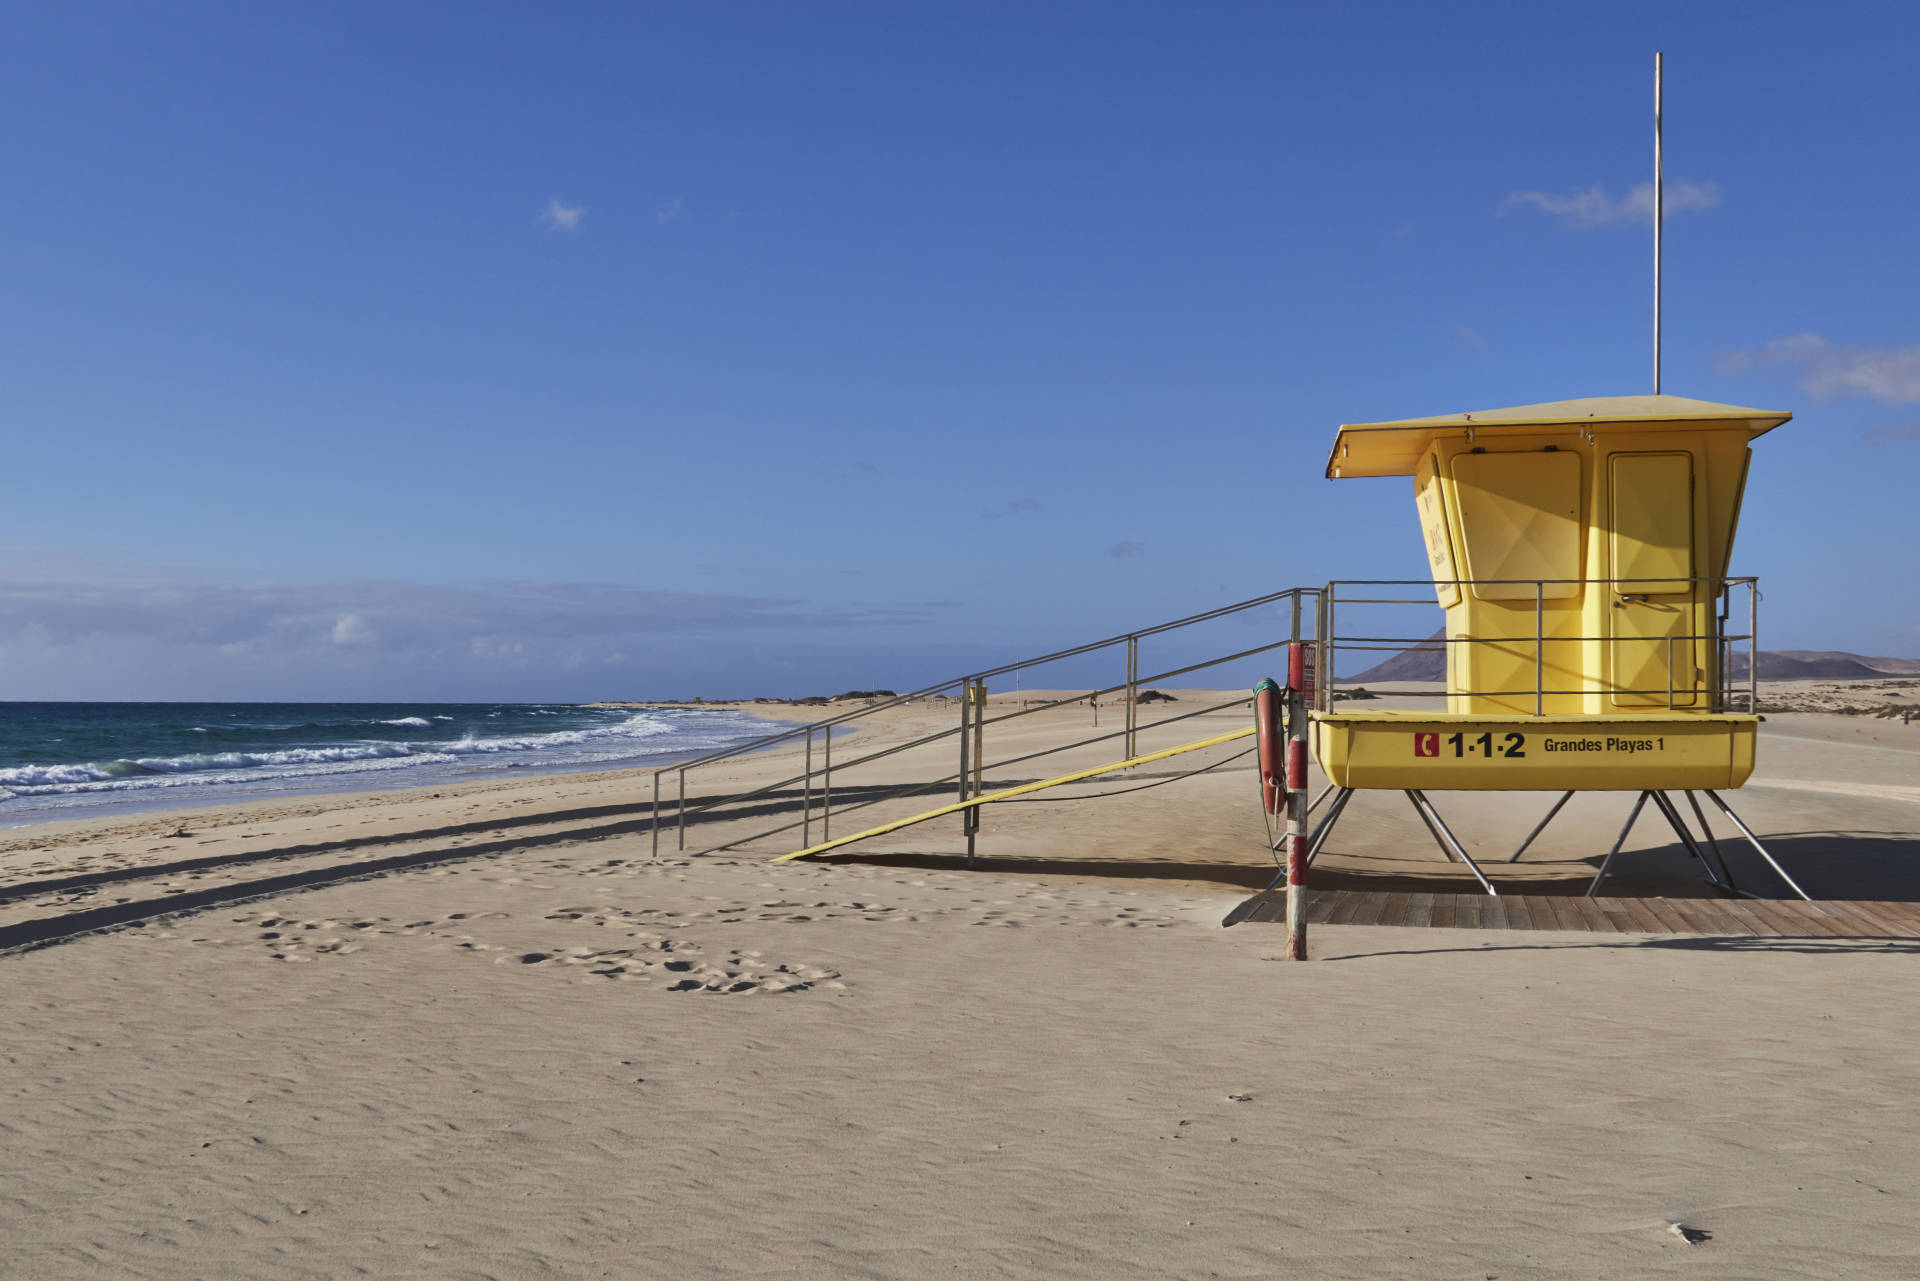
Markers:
point(679, 642)
point(481, 1031)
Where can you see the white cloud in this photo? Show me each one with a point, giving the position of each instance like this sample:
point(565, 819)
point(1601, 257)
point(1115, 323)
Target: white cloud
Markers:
point(520, 619)
point(75, 627)
point(669, 212)
point(1828, 370)
point(1582, 210)
point(563, 217)
point(352, 630)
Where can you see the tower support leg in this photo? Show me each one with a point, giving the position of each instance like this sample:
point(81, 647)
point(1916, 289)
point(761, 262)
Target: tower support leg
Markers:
point(1540, 827)
point(1755, 842)
point(1701, 815)
point(1325, 829)
point(1444, 834)
point(1413, 798)
point(1638, 804)
point(1314, 842)
point(1672, 812)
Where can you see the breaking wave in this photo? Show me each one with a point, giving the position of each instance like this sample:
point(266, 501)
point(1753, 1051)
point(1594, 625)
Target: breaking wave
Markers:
point(639, 735)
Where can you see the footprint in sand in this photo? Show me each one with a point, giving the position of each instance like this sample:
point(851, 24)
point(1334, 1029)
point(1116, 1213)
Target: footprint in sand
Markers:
point(739, 974)
point(779, 912)
point(290, 938)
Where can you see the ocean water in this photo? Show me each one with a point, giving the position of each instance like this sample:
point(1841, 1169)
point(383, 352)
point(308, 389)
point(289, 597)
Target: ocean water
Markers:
point(81, 760)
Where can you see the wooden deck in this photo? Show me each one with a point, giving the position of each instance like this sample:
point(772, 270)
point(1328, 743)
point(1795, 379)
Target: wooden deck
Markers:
point(1764, 918)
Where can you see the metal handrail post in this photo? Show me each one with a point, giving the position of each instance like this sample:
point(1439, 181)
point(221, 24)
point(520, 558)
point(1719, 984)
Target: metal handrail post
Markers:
point(966, 700)
point(1753, 648)
point(980, 745)
point(806, 793)
point(1539, 646)
point(683, 807)
point(1720, 667)
point(979, 694)
point(1723, 650)
point(1133, 693)
point(656, 814)
point(1323, 651)
point(826, 789)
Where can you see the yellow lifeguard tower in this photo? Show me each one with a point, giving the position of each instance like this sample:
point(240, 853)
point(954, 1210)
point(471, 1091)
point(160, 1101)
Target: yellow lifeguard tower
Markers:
point(1580, 552)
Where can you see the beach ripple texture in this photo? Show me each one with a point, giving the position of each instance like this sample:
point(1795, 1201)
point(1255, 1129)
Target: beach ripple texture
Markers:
point(74, 760)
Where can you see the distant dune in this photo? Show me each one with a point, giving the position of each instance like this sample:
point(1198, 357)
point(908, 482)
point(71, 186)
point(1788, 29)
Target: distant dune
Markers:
point(1427, 661)
point(1829, 664)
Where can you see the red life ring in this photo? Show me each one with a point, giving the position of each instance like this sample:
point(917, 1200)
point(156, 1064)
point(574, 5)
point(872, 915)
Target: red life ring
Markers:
point(1268, 706)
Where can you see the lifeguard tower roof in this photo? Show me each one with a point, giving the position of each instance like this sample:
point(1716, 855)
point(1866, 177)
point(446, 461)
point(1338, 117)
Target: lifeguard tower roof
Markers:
point(1395, 449)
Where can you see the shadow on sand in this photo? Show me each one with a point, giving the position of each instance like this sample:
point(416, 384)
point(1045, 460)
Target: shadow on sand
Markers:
point(1664, 942)
point(1830, 865)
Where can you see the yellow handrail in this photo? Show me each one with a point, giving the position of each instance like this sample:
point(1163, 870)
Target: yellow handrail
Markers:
point(990, 797)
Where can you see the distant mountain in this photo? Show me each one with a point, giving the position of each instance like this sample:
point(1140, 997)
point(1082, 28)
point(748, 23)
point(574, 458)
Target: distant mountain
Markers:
point(1427, 661)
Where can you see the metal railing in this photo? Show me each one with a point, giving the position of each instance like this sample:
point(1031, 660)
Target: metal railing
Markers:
point(820, 791)
point(816, 783)
point(1722, 693)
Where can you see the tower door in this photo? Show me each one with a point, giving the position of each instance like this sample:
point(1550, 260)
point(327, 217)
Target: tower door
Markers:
point(1658, 618)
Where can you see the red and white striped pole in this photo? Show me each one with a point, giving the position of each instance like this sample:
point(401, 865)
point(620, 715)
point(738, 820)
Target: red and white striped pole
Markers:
point(1299, 699)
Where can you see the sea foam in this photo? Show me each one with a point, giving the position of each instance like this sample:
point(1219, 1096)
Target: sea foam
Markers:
point(621, 740)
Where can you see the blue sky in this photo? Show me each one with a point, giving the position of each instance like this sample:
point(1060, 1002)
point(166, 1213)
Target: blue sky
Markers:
point(515, 351)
